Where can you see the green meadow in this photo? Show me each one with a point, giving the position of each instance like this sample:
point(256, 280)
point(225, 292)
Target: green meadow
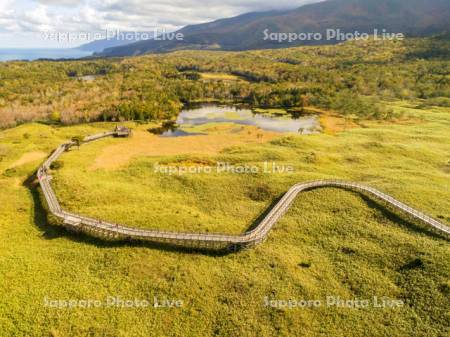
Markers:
point(332, 243)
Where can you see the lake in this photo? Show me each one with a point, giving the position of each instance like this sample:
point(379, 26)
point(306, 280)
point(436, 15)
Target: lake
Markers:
point(34, 54)
point(214, 113)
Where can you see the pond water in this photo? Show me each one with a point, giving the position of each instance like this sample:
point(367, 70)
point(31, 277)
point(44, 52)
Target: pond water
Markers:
point(213, 113)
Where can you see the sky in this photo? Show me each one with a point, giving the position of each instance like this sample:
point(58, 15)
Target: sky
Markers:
point(48, 23)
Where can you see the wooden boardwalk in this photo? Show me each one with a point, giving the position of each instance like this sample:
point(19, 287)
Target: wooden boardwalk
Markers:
point(110, 231)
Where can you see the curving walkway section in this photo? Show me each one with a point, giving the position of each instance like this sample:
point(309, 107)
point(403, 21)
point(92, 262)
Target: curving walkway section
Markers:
point(110, 231)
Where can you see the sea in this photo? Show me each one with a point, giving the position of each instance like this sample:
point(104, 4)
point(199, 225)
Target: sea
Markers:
point(34, 54)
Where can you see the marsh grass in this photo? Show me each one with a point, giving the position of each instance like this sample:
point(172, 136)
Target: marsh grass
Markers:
point(331, 242)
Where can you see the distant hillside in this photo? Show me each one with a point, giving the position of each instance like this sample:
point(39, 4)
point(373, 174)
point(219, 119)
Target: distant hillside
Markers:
point(100, 45)
point(244, 32)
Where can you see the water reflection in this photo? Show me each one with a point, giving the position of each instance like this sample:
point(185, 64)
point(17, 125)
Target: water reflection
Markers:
point(213, 113)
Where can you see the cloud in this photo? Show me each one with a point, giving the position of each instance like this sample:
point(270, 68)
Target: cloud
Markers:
point(6, 20)
point(27, 23)
point(130, 15)
point(59, 2)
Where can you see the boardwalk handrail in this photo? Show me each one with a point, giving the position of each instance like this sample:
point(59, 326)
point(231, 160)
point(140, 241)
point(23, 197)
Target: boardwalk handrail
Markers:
point(103, 229)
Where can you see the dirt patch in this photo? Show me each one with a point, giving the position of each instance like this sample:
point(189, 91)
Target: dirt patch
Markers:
point(28, 158)
point(145, 144)
point(333, 124)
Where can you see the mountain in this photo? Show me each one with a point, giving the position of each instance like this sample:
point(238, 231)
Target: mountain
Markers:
point(125, 38)
point(252, 30)
point(100, 45)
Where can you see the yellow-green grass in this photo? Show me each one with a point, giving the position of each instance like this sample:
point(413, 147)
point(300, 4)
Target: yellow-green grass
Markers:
point(331, 243)
point(219, 76)
point(270, 111)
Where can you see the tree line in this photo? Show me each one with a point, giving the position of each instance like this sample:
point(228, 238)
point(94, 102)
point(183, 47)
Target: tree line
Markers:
point(351, 78)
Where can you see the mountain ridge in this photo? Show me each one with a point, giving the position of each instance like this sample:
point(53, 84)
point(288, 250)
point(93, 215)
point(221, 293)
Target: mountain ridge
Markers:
point(246, 31)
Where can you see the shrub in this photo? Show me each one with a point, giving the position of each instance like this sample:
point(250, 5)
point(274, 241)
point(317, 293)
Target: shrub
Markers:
point(55, 116)
point(260, 192)
point(78, 140)
point(10, 172)
point(56, 165)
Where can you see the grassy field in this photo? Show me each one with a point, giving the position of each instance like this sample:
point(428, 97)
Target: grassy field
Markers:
point(219, 77)
point(331, 243)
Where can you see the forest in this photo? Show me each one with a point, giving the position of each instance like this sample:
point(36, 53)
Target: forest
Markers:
point(353, 79)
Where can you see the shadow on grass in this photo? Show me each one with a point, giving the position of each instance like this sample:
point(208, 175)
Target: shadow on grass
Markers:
point(395, 216)
point(39, 214)
point(402, 220)
point(261, 217)
point(54, 231)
